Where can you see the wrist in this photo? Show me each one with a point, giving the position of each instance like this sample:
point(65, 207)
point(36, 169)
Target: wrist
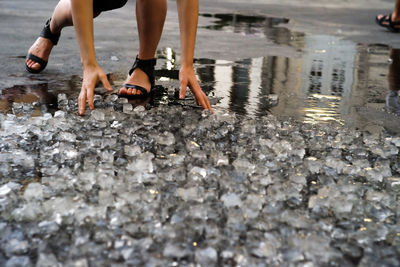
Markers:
point(187, 62)
point(89, 61)
point(89, 64)
point(187, 65)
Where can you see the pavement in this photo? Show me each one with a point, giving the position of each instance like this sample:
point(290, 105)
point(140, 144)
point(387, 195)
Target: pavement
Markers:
point(129, 185)
point(116, 33)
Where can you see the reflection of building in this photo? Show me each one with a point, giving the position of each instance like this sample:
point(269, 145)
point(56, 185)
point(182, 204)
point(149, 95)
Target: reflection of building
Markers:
point(317, 87)
point(244, 86)
point(328, 66)
point(314, 88)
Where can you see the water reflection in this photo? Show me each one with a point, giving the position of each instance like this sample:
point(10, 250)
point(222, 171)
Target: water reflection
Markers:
point(267, 27)
point(392, 99)
point(314, 88)
point(327, 77)
point(244, 86)
point(324, 85)
point(36, 94)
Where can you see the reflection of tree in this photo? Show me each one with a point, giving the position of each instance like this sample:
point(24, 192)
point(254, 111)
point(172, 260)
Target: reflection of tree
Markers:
point(250, 82)
point(206, 73)
point(267, 84)
point(240, 86)
point(243, 24)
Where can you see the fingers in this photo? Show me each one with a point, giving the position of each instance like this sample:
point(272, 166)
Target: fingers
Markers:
point(206, 103)
point(86, 94)
point(201, 98)
point(182, 89)
point(90, 96)
point(106, 83)
point(82, 101)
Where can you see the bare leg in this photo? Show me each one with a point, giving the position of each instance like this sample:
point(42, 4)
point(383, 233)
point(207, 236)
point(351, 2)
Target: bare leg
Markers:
point(62, 17)
point(150, 16)
point(395, 14)
point(396, 11)
point(394, 68)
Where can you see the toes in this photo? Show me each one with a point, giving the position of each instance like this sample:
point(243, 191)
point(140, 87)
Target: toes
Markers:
point(32, 64)
point(130, 91)
point(35, 66)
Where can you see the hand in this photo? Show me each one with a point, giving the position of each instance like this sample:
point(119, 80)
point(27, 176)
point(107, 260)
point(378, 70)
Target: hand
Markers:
point(187, 78)
point(91, 77)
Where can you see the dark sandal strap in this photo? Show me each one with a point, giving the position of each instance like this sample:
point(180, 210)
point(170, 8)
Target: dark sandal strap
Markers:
point(147, 66)
point(382, 20)
point(38, 60)
point(32, 57)
point(393, 24)
point(137, 87)
point(46, 33)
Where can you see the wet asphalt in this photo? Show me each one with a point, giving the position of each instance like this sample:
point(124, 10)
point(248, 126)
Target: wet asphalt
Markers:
point(116, 33)
point(171, 186)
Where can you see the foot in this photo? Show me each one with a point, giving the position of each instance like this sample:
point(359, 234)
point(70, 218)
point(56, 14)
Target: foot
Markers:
point(42, 49)
point(138, 77)
point(384, 20)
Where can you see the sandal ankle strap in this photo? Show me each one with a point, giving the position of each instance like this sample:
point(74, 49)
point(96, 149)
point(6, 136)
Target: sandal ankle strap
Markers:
point(146, 65)
point(46, 33)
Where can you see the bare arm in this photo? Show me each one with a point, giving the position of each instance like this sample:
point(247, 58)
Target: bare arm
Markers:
point(82, 15)
point(188, 18)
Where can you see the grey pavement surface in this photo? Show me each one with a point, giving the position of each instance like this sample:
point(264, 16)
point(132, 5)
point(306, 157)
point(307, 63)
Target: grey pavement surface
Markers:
point(170, 185)
point(116, 34)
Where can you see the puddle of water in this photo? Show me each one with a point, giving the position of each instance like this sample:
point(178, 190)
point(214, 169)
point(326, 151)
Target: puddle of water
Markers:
point(39, 98)
point(267, 27)
point(331, 79)
point(35, 94)
point(330, 82)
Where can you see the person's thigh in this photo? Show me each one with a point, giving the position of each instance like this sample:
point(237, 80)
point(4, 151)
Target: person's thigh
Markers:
point(104, 5)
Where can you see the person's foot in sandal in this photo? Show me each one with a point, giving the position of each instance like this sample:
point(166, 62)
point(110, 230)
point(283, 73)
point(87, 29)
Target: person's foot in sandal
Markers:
point(392, 21)
point(39, 52)
point(140, 80)
point(41, 48)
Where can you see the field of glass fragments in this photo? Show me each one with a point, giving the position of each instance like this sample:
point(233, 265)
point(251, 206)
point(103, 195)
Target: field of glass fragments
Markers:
point(175, 186)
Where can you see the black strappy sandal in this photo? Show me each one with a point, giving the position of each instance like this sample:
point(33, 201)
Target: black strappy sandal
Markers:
point(386, 22)
point(147, 66)
point(394, 26)
point(383, 21)
point(46, 33)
